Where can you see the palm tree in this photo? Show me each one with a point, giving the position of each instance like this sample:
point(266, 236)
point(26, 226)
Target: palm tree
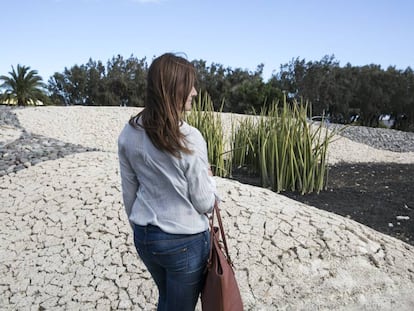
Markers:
point(24, 86)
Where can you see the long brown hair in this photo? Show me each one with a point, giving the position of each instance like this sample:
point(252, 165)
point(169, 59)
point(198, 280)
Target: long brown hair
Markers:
point(169, 83)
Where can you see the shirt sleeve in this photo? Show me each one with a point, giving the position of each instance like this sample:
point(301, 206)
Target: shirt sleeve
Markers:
point(129, 181)
point(202, 187)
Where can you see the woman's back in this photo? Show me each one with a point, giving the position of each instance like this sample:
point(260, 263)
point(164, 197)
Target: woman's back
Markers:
point(173, 194)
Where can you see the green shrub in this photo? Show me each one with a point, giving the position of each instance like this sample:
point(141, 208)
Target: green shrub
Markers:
point(284, 149)
point(208, 122)
point(279, 145)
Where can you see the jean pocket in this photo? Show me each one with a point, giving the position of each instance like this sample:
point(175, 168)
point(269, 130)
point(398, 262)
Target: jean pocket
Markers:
point(173, 258)
point(170, 252)
point(198, 252)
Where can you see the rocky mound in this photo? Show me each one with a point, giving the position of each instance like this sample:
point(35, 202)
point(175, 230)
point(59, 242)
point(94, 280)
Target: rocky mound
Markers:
point(66, 244)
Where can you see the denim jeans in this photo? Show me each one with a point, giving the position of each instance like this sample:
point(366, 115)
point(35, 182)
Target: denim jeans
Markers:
point(176, 263)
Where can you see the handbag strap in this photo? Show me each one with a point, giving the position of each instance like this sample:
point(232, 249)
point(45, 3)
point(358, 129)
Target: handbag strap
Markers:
point(216, 211)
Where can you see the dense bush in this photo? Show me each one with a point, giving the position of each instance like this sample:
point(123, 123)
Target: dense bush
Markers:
point(280, 145)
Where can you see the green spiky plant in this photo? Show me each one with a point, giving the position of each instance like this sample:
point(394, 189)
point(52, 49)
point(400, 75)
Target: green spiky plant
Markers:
point(284, 149)
point(279, 145)
point(208, 122)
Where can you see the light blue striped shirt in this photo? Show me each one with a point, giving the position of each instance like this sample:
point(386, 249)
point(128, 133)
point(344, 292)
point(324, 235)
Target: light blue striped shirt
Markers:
point(162, 190)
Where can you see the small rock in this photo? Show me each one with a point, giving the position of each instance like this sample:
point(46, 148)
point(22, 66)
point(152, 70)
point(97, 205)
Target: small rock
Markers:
point(403, 217)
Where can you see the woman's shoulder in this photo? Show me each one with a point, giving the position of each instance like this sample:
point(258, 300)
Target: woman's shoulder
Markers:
point(129, 131)
point(191, 133)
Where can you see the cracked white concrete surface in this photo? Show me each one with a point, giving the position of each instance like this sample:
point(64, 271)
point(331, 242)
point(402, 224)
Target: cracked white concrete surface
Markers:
point(65, 245)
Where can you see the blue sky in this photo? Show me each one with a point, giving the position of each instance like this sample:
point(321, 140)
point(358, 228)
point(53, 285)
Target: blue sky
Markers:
point(49, 35)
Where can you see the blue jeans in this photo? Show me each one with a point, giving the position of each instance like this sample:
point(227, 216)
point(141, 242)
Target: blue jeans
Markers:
point(176, 263)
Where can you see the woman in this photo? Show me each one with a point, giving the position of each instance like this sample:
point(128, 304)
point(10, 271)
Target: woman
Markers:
point(167, 185)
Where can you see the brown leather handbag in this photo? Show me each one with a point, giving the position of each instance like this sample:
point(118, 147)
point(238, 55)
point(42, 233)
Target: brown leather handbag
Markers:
point(220, 292)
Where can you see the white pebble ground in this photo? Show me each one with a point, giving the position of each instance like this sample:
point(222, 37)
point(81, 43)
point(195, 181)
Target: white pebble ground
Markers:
point(65, 243)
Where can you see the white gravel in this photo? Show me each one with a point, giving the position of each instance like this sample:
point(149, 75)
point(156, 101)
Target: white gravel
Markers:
point(65, 243)
point(99, 127)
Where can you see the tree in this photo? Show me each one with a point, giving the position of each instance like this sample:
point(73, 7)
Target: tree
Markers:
point(248, 93)
point(70, 88)
point(126, 81)
point(371, 95)
point(240, 90)
point(212, 79)
point(290, 78)
point(404, 106)
point(122, 82)
point(24, 86)
point(57, 89)
point(95, 88)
